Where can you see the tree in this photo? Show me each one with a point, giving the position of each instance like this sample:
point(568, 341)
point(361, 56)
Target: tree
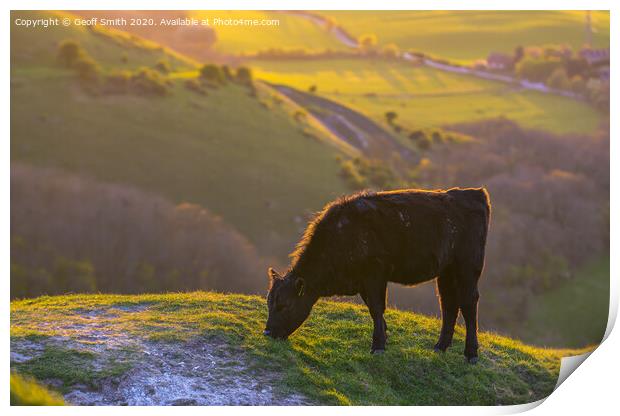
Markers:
point(367, 42)
point(518, 54)
point(69, 52)
point(212, 73)
point(87, 69)
point(163, 66)
point(244, 75)
point(578, 85)
point(391, 50)
point(559, 80)
point(390, 116)
point(537, 69)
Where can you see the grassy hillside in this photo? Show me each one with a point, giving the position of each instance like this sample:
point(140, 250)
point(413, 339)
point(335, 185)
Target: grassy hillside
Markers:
point(292, 32)
point(417, 94)
point(88, 341)
point(111, 48)
point(575, 312)
point(465, 36)
point(241, 157)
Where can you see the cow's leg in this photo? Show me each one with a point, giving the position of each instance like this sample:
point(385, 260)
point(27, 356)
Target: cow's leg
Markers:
point(446, 286)
point(375, 294)
point(365, 299)
point(468, 302)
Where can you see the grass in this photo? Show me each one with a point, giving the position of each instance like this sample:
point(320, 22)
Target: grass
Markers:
point(328, 358)
point(425, 97)
point(38, 47)
point(25, 391)
point(465, 36)
point(292, 32)
point(226, 151)
point(574, 313)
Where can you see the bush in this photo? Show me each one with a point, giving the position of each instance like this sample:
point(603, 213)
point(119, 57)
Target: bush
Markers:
point(537, 70)
point(424, 142)
point(417, 135)
point(163, 66)
point(559, 80)
point(88, 71)
point(244, 75)
point(194, 85)
point(390, 116)
point(578, 85)
point(212, 73)
point(361, 173)
point(367, 42)
point(117, 82)
point(391, 51)
point(69, 52)
point(75, 276)
point(227, 73)
point(148, 82)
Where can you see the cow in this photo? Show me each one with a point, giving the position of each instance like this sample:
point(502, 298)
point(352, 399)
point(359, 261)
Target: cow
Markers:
point(359, 243)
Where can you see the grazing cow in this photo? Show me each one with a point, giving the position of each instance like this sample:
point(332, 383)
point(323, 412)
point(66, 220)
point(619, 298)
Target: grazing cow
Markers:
point(360, 243)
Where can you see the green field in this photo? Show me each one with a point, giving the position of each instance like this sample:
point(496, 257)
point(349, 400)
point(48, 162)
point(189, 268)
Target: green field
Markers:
point(250, 163)
point(465, 36)
point(327, 359)
point(292, 32)
point(425, 97)
point(578, 309)
point(111, 49)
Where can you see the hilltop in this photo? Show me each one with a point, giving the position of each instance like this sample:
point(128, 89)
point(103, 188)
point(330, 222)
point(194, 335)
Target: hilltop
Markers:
point(208, 348)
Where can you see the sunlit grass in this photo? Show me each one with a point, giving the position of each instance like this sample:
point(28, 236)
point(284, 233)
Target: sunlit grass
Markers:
point(27, 392)
point(328, 359)
point(465, 36)
point(291, 32)
point(425, 97)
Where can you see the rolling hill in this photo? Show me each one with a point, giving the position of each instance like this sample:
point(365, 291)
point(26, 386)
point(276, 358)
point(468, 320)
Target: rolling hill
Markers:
point(208, 348)
point(290, 32)
point(465, 36)
point(242, 156)
point(416, 94)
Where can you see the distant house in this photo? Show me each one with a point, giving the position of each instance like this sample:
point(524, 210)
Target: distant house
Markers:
point(595, 56)
point(497, 60)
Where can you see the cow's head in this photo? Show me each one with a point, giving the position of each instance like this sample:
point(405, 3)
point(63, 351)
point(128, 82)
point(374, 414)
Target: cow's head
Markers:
point(289, 304)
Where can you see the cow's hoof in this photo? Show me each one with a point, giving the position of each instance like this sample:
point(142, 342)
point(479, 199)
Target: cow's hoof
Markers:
point(440, 348)
point(377, 351)
point(471, 360)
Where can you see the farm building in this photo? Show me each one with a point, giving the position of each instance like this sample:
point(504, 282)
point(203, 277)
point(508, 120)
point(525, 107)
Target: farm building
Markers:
point(497, 60)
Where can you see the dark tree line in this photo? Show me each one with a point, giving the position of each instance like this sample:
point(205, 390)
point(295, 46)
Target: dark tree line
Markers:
point(550, 198)
point(73, 234)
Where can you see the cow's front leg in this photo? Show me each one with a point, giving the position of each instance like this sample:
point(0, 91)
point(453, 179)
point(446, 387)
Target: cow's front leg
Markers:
point(375, 294)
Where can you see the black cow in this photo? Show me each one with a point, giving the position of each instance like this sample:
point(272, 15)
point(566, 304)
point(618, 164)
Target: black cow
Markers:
point(359, 243)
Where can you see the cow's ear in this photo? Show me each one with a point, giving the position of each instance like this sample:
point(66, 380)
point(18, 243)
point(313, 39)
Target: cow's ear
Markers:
point(273, 275)
point(300, 285)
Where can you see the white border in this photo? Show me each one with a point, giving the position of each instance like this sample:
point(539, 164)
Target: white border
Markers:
point(591, 389)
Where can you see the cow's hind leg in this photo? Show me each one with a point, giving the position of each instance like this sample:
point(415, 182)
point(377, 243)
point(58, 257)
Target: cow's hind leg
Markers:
point(374, 294)
point(468, 302)
point(446, 286)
